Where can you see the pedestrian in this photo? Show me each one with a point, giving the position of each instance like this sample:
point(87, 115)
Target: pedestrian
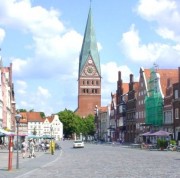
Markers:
point(23, 148)
point(31, 148)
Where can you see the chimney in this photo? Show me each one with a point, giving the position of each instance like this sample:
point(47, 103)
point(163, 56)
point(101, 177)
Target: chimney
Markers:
point(131, 78)
point(119, 75)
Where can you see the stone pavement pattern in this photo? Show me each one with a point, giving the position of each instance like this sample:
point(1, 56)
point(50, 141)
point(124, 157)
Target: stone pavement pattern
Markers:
point(101, 161)
point(25, 165)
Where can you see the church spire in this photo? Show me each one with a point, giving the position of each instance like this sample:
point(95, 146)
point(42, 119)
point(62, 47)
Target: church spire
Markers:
point(89, 46)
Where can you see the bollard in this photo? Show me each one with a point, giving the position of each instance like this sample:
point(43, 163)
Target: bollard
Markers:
point(10, 153)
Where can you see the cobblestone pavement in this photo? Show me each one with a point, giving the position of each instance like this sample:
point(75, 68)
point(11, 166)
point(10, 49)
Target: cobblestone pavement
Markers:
point(102, 161)
point(26, 164)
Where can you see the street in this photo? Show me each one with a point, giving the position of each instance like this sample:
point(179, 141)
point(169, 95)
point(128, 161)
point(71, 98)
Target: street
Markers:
point(107, 161)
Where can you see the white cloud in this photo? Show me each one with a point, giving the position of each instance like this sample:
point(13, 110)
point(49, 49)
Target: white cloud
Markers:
point(147, 54)
point(110, 72)
point(43, 92)
point(166, 13)
point(18, 65)
point(110, 77)
point(21, 87)
point(153, 8)
point(37, 20)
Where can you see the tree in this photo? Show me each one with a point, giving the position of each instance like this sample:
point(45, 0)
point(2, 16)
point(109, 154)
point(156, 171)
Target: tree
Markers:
point(42, 114)
point(73, 123)
point(67, 117)
point(21, 110)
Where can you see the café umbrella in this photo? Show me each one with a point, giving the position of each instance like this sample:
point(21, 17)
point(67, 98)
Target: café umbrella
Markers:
point(161, 133)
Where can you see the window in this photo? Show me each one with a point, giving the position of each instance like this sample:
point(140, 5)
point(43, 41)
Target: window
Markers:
point(177, 113)
point(168, 117)
point(176, 94)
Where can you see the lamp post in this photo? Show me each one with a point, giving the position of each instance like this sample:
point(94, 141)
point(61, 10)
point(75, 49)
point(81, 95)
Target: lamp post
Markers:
point(96, 121)
point(17, 117)
point(52, 149)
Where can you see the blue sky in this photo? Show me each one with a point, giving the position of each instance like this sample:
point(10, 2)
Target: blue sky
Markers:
point(43, 40)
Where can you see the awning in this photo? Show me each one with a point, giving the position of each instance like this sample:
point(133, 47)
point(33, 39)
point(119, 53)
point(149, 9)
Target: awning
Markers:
point(34, 136)
point(4, 132)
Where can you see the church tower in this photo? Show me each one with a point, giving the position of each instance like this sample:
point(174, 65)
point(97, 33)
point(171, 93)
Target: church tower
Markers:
point(89, 76)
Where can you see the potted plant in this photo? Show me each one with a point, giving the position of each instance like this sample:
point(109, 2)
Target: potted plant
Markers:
point(162, 144)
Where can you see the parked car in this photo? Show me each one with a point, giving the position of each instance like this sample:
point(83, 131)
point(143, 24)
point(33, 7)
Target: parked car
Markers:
point(78, 144)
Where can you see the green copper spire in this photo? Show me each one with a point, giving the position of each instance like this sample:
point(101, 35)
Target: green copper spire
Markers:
point(89, 46)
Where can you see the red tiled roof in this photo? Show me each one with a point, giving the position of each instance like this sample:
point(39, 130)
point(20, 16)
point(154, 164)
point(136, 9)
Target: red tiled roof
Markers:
point(24, 117)
point(50, 118)
point(32, 116)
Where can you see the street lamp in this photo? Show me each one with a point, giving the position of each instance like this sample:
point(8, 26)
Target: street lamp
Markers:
point(17, 117)
point(52, 150)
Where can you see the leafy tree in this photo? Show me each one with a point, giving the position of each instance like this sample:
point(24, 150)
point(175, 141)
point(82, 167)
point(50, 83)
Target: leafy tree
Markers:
point(67, 117)
point(21, 110)
point(42, 114)
point(73, 123)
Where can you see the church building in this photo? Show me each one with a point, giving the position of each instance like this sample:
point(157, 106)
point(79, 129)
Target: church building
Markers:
point(89, 75)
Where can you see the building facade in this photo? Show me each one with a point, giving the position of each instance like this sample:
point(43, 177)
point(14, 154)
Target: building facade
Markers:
point(7, 99)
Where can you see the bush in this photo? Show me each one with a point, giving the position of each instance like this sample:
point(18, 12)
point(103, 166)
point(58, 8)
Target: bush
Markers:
point(172, 142)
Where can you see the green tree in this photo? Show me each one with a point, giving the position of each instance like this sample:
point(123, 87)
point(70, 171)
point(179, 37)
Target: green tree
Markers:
point(21, 110)
point(67, 117)
point(73, 123)
point(42, 114)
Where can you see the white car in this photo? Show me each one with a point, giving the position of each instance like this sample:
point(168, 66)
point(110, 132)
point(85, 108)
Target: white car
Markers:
point(78, 144)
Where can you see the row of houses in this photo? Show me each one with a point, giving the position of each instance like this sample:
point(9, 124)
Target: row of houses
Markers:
point(32, 123)
point(152, 103)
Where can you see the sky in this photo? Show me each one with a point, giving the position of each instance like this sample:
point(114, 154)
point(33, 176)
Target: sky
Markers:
point(43, 39)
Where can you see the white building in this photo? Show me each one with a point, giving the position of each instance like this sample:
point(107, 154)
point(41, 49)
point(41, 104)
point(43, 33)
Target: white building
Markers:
point(53, 126)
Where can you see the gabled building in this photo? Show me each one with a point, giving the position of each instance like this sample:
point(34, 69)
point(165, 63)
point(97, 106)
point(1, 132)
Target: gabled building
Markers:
point(53, 127)
point(89, 75)
point(168, 121)
point(130, 133)
point(157, 90)
point(176, 108)
point(103, 118)
point(154, 85)
point(57, 127)
point(121, 99)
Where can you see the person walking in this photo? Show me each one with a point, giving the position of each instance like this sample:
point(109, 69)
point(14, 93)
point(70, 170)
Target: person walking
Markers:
point(31, 149)
point(23, 148)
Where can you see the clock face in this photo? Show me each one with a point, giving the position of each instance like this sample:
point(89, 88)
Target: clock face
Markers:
point(90, 70)
point(90, 61)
